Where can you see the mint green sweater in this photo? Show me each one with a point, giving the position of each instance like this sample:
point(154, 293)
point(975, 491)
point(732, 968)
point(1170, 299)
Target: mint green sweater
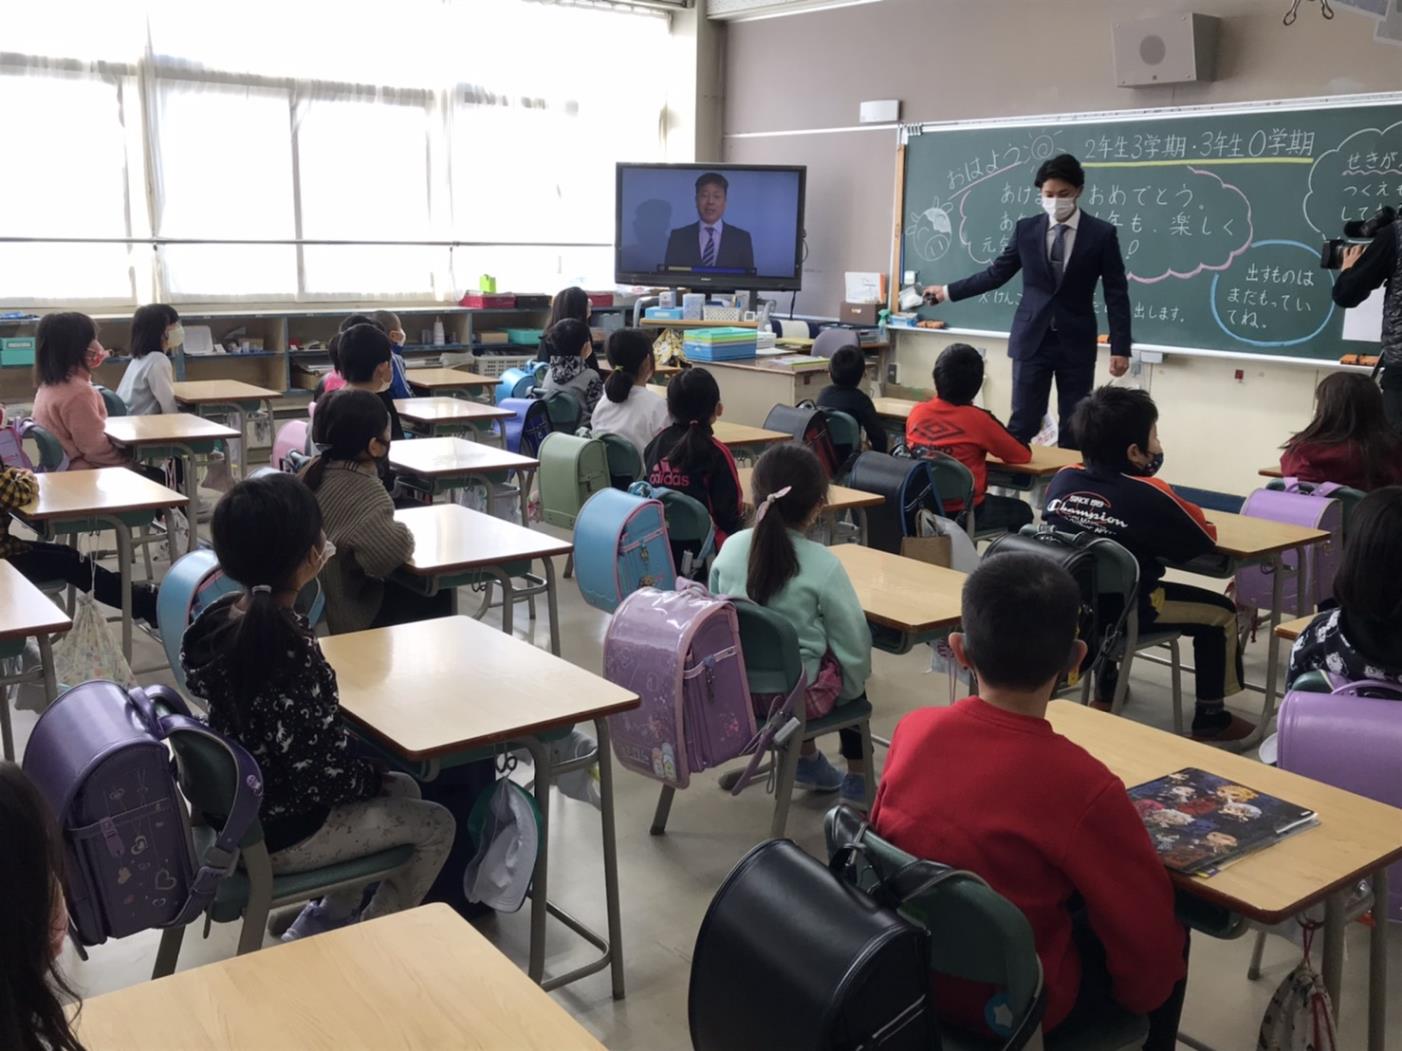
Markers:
point(819, 602)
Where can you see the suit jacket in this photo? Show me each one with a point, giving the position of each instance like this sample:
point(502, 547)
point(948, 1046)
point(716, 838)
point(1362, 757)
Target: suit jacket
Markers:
point(736, 251)
point(1095, 257)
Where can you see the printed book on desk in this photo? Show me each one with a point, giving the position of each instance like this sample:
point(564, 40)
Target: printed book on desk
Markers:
point(1199, 821)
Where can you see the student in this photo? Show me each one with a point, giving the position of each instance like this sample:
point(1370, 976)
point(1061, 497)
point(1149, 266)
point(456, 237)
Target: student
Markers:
point(334, 380)
point(256, 663)
point(628, 408)
point(1362, 637)
point(389, 321)
point(367, 363)
point(951, 423)
point(570, 304)
point(986, 785)
point(846, 369)
point(776, 565)
point(1114, 494)
point(148, 384)
point(351, 432)
point(568, 349)
point(687, 457)
point(42, 562)
point(33, 922)
point(1349, 441)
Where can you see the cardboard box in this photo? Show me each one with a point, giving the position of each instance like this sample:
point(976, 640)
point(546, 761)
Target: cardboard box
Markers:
point(859, 313)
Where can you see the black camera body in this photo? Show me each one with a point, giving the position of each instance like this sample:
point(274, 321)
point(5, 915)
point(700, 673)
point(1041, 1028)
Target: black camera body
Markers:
point(1359, 231)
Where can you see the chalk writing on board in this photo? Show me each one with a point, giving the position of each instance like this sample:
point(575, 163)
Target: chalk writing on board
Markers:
point(1354, 179)
point(1274, 296)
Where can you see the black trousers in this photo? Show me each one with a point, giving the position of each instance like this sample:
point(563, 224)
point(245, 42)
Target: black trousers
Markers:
point(45, 562)
point(1392, 397)
point(402, 606)
point(1003, 512)
point(1073, 369)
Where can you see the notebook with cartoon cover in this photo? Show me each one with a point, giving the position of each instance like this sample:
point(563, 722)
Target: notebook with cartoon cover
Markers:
point(1199, 821)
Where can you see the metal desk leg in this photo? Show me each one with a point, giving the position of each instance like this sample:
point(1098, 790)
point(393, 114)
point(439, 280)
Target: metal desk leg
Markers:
point(540, 756)
point(552, 604)
point(861, 515)
point(1377, 963)
point(192, 495)
point(46, 660)
point(524, 480)
point(1332, 966)
point(123, 532)
point(1273, 647)
point(615, 920)
point(508, 597)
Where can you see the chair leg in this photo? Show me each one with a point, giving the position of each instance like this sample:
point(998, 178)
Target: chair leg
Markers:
point(1177, 673)
point(7, 733)
point(260, 899)
point(145, 536)
point(664, 807)
point(1253, 969)
point(783, 787)
point(569, 565)
point(869, 764)
point(169, 952)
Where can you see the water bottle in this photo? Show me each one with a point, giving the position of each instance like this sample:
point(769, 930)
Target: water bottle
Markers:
point(438, 338)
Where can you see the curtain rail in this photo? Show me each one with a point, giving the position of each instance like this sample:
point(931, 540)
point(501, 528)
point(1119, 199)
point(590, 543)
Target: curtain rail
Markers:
point(157, 242)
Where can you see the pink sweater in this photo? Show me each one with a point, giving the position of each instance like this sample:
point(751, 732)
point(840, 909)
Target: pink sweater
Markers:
point(74, 413)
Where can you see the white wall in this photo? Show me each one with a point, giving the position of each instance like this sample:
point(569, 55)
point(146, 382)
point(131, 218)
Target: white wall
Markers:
point(966, 59)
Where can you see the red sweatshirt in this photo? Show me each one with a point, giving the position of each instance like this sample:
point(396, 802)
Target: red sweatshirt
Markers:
point(1042, 821)
point(1338, 462)
point(966, 433)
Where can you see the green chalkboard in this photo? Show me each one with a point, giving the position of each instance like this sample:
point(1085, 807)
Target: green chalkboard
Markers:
point(1220, 211)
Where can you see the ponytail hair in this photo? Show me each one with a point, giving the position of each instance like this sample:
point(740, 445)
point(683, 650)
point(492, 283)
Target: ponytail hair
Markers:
point(569, 304)
point(793, 470)
point(692, 397)
point(565, 339)
point(628, 350)
point(344, 423)
point(263, 529)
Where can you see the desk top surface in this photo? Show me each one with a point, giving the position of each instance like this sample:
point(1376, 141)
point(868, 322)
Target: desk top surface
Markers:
point(895, 408)
point(1273, 471)
point(165, 427)
point(335, 993)
point(1291, 630)
point(442, 686)
point(902, 593)
point(1242, 536)
point(1354, 835)
point(71, 494)
point(438, 410)
point(435, 457)
point(840, 498)
point(446, 379)
point(1046, 460)
point(728, 433)
point(24, 609)
point(450, 537)
point(197, 392)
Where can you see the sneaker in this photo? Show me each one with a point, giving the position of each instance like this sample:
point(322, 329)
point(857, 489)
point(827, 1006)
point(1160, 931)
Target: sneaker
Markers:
point(816, 774)
point(1221, 727)
point(316, 918)
point(854, 790)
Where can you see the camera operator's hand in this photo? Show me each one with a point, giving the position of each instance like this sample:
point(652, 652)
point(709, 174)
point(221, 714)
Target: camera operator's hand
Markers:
point(1351, 255)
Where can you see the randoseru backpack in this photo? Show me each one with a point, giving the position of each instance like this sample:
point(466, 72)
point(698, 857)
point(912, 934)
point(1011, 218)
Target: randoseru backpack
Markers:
point(810, 427)
point(12, 452)
point(572, 469)
point(620, 545)
point(1299, 504)
point(528, 428)
point(909, 488)
point(690, 529)
point(680, 652)
point(98, 755)
point(517, 383)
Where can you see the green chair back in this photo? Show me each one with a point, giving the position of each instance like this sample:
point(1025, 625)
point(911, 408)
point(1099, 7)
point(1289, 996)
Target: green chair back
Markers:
point(688, 521)
point(114, 403)
point(844, 429)
point(208, 777)
point(953, 481)
point(773, 663)
point(1312, 682)
point(624, 460)
point(565, 409)
point(51, 454)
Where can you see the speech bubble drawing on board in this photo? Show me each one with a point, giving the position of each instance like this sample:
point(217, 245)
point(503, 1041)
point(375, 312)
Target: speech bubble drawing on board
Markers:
point(1354, 179)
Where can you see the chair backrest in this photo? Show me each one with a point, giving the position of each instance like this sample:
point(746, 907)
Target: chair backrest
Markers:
point(953, 481)
point(831, 340)
point(209, 780)
point(565, 408)
point(113, 401)
point(625, 463)
point(51, 454)
point(846, 435)
point(975, 933)
point(773, 662)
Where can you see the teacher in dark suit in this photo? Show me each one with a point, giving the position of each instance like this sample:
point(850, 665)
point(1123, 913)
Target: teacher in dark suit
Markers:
point(1062, 255)
point(711, 242)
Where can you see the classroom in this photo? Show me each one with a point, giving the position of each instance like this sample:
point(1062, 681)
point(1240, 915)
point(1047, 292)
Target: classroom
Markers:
point(731, 525)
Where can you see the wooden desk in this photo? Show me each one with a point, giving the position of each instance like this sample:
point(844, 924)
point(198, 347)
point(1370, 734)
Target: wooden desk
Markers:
point(1244, 537)
point(177, 435)
point(917, 600)
point(1355, 837)
point(742, 439)
point(393, 982)
point(894, 408)
point(657, 370)
point(1271, 472)
point(1293, 629)
point(231, 398)
point(840, 499)
point(446, 381)
point(440, 416)
point(105, 498)
point(453, 685)
point(445, 464)
point(454, 546)
point(25, 612)
point(1035, 476)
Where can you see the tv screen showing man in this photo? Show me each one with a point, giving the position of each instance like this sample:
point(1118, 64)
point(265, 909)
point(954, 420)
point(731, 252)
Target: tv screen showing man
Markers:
point(709, 243)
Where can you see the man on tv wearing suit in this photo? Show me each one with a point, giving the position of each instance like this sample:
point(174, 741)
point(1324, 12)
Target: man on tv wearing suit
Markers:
point(711, 242)
point(1062, 255)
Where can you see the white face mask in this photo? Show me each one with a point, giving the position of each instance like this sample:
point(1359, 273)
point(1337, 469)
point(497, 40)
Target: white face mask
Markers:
point(1059, 208)
point(175, 336)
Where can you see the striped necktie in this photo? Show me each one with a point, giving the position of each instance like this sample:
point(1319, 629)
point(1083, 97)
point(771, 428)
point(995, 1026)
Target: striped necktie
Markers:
point(708, 257)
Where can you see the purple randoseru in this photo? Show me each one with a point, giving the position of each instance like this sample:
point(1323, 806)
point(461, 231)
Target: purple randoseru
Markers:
point(620, 545)
point(679, 651)
point(1316, 510)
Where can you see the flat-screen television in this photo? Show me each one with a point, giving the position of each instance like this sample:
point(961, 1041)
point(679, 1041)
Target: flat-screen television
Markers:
point(722, 226)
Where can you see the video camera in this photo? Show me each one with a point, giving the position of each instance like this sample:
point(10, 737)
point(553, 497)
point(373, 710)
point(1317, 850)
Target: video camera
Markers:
point(1360, 231)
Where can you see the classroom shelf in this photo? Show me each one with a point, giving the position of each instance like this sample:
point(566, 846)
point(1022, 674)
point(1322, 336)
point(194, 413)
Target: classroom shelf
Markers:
point(652, 322)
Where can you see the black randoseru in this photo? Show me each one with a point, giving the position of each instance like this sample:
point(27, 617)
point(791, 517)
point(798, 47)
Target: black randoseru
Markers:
point(773, 560)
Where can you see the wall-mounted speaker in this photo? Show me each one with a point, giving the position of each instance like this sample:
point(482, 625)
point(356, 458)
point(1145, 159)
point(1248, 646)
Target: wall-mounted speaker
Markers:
point(1171, 49)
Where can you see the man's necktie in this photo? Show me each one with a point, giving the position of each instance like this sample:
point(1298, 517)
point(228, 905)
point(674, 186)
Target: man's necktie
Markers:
point(1058, 253)
point(708, 257)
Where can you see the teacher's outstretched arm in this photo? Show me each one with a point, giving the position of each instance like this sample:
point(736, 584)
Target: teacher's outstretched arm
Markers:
point(998, 274)
point(1112, 277)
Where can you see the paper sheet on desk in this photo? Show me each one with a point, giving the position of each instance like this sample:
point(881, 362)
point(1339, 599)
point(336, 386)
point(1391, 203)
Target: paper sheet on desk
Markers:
point(1364, 322)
